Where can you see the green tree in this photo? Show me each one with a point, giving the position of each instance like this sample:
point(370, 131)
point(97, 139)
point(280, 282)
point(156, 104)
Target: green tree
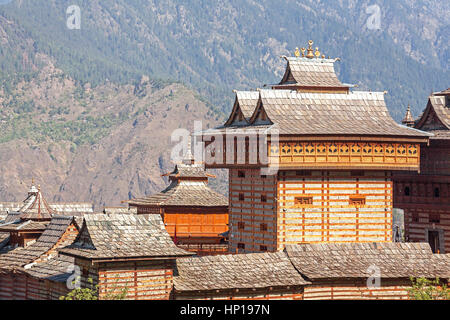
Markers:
point(91, 293)
point(425, 289)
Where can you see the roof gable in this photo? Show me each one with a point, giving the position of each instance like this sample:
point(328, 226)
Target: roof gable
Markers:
point(123, 236)
point(436, 115)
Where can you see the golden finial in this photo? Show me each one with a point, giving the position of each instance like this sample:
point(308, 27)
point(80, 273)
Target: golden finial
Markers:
point(323, 56)
point(32, 180)
point(310, 53)
point(297, 52)
point(39, 187)
point(317, 53)
point(303, 52)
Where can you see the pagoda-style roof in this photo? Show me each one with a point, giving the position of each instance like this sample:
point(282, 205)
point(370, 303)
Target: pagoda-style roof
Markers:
point(307, 74)
point(123, 236)
point(354, 260)
point(244, 106)
point(35, 207)
point(238, 271)
point(188, 187)
point(436, 116)
point(301, 113)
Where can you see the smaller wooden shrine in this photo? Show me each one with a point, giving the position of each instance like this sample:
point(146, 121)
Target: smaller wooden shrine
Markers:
point(30, 221)
point(425, 195)
point(195, 216)
point(36, 272)
point(125, 251)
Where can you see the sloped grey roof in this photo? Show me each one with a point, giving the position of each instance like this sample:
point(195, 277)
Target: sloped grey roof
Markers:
point(311, 73)
point(247, 101)
point(355, 113)
point(184, 193)
point(48, 239)
point(55, 269)
point(123, 236)
point(253, 270)
point(182, 170)
point(354, 260)
point(24, 225)
point(436, 108)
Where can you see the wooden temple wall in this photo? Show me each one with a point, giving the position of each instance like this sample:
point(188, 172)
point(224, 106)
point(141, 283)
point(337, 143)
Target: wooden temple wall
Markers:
point(196, 223)
point(143, 280)
point(358, 290)
point(252, 217)
point(20, 286)
point(426, 210)
point(334, 206)
point(242, 294)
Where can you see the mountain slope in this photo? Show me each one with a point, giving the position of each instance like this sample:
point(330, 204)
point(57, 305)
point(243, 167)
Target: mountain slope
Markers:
point(216, 46)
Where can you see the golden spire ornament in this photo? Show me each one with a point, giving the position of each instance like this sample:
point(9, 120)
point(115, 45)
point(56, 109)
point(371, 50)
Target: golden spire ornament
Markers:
point(303, 52)
point(310, 53)
point(317, 53)
point(297, 52)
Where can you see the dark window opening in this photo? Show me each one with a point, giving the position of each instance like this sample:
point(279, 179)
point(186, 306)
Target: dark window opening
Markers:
point(303, 173)
point(241, 225)
point(241, 197)
point(241, 245)
point(407, 191)
point(263, 226)
point(434, 218)
point(357, 201)
point(263, 198)
point(301, 201)
point(415, 217)
point(241, 174)
point(263, 248)
point(436, 192)
point(433, 240)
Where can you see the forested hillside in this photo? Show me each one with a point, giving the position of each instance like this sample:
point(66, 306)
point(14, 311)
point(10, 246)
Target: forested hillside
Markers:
point(67, 94)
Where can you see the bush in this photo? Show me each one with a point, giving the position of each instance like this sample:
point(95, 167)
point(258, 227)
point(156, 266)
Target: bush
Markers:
point(424, 289)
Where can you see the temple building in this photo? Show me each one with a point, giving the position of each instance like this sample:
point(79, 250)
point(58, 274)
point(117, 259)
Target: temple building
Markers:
point(195, 216)
point(425, 195)
point(24, 222)
point(313, 162)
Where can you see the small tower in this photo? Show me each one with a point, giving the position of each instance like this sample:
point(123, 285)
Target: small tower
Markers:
point(408, 120)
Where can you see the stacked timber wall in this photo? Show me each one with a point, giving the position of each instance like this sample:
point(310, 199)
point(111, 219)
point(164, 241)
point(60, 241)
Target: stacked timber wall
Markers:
point(243, 294)
point(143, 280)
point(253, 225)
point(334, 206)
point(358, 290)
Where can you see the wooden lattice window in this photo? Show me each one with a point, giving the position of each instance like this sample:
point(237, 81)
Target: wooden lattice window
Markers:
point(241, 225)
point(434, 218)
point(241, 197)
point(303, 201)
point(262, 248)
point(263, 198)
point(263, 226)
point(357, 201)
